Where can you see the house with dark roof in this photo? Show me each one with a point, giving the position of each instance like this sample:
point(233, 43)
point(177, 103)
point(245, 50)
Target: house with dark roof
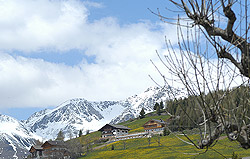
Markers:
point(36, 151)
point(110, 130)
point(154, 125)
point(55, 149)
point(50, 149)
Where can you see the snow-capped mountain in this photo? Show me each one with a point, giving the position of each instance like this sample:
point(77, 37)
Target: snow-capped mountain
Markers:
point(147, 101)
point(73, 115)
point(144, 100)
point(76, 114)
point(15, 139)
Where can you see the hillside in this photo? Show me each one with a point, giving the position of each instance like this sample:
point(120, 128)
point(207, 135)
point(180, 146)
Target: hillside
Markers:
point(169, 147)
point(136, 124)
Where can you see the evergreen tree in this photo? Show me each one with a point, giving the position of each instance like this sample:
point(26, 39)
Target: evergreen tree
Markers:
point(87, 132)
point(156, 106)
point(171, 106)
point(161, 105)
point(165, 132)
point(178, 110)
point(60, 136)
point(142, 114)
point(158, 111)
point(237, 98)
point(80, 133)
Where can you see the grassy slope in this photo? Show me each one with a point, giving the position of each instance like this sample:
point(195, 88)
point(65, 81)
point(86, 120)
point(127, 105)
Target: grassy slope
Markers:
point(92, 137)
point(136, 124)
point(170, 147)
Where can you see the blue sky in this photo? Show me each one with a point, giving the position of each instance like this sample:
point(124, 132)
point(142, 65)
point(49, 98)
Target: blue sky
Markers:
point(52, 51)
point(129, 11)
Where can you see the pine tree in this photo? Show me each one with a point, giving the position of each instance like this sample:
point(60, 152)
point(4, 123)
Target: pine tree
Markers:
point(178, 110)
point(60, 136)
point(158, 111)
point(142, 114)
point(156, 106)
point(171, 107)
point(165, 132)
point(80, 133)
point(87, 132)
point(161, 105)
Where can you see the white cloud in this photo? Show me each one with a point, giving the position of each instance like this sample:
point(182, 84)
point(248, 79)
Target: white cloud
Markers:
point(122, 53)
point(28, 25)
point(36, 83)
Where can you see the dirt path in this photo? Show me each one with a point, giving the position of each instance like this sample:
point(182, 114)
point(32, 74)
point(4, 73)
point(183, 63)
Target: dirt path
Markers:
point(98, 147)
point(222, 137)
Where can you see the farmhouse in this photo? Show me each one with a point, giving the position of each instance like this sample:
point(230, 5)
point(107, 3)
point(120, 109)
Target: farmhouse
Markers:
point(55, 149)
point(50, 149)
point(154, 125)
point(36, 151)
point(110, 130)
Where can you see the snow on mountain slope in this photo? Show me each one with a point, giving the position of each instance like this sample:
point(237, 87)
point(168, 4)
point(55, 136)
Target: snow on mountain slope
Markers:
point(144, 100)
point(15, 140)
point(71, 116)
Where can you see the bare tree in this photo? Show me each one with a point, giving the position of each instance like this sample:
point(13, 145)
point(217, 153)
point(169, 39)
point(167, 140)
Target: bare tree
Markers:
point(87, 143)
point(192, 64)
point(75, 148)
point(124, 144)
point(149, 140)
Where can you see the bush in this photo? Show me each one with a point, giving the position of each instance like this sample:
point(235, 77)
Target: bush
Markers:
point(165, 132)
point(235, 156)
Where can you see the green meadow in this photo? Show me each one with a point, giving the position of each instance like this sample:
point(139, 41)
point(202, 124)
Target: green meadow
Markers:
point(163, 147)
point(136, 124)
point(169, 147)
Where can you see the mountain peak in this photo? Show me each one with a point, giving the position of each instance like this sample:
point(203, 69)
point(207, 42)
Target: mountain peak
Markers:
point(5, 118)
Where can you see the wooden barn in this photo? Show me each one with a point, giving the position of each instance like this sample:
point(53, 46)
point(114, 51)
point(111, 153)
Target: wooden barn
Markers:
point(110, 130)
